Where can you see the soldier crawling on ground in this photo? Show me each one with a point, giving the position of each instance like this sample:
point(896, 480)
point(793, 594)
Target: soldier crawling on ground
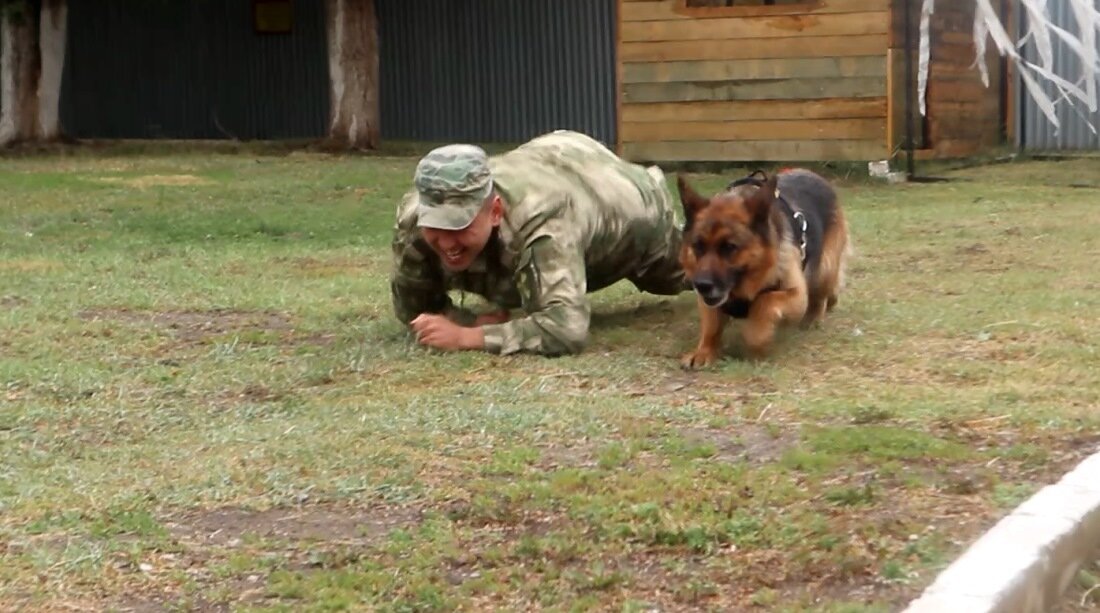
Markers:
point(537, 228)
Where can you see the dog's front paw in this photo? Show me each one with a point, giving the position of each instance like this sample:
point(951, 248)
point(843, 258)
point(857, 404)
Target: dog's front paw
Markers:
point(700, 358)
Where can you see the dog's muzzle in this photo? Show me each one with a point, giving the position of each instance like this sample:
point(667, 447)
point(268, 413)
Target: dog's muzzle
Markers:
point(712, 293)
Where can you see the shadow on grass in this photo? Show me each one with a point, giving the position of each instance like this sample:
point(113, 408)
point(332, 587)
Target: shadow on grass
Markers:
point(647, 315)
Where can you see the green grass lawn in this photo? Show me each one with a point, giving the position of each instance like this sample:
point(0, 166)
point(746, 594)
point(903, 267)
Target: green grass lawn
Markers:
point(205, 403)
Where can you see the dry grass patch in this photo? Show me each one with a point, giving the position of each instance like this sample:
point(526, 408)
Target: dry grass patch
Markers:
point(147, 181)
point(191, 327)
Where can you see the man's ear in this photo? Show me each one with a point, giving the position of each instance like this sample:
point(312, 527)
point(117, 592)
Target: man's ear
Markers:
point(496, 210)
point(690, 200)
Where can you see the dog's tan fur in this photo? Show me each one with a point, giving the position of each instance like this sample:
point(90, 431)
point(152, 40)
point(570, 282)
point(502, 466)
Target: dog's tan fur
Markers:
point(764, 256)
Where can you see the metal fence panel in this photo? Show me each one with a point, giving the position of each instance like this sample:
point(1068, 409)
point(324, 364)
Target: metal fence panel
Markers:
point(1034, 130)
point(496, 70)
point(193, 69)
point(472, 70)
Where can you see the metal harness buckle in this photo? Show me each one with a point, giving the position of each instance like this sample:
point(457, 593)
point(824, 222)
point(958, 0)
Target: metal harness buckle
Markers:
point(802, 247)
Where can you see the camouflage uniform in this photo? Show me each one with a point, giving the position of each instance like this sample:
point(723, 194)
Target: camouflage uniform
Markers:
point(577, 219)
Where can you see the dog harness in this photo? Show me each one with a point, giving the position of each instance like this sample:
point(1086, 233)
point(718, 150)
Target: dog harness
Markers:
point(739, 308)
point(795, 217)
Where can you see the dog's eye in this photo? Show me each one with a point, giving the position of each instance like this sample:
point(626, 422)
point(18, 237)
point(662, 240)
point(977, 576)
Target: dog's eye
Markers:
point(699, 247)
point(727, 248)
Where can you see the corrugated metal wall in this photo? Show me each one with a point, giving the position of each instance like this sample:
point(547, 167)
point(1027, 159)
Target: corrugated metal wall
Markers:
point(496, 70)
point(1034, 131)
point(193, 69)
point(451, 70)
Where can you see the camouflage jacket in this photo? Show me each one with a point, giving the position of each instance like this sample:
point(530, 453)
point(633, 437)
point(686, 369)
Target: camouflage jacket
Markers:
point(577, 218)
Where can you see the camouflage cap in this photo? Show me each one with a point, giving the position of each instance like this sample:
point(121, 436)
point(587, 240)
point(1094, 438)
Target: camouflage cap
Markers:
point(453, 182)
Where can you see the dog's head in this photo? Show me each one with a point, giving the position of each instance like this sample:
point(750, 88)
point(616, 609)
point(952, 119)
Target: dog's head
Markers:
point(728, 244)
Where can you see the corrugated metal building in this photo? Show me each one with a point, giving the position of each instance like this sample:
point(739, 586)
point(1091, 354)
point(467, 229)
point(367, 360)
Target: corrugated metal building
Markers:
point(192, 69)
point(464, 70)
point(476, 70)
point(496, 70)
point(1033, 129)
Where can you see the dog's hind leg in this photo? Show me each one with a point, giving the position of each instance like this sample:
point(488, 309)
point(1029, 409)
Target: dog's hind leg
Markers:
point(829, 281)
point(815, 312)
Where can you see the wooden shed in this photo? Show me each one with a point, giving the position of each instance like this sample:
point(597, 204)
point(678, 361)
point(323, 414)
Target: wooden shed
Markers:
point(799, 80)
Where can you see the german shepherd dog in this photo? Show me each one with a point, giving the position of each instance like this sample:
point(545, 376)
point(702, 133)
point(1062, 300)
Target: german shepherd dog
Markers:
point(768, 250)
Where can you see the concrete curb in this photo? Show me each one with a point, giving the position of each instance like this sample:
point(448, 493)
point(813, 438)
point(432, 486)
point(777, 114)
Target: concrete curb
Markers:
point(1027, 561)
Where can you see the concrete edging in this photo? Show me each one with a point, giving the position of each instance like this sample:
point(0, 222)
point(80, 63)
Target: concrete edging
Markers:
point(1026, 562)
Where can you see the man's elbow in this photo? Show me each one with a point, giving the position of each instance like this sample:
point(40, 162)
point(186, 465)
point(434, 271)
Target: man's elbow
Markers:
point(570, 340)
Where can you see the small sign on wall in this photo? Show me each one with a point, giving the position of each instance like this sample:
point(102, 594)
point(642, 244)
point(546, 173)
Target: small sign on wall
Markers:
point(272, 16)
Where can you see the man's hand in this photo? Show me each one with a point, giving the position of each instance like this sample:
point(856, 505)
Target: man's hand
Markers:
point(441, 333)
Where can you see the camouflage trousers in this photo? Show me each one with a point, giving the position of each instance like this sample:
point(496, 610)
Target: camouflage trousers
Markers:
point(660, 271)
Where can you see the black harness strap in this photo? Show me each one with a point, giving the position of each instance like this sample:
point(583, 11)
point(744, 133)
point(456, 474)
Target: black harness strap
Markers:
point(796, 218)
point(739, 308)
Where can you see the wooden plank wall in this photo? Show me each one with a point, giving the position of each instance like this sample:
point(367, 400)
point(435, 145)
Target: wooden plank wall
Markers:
point(962, 115)
point(778, 83)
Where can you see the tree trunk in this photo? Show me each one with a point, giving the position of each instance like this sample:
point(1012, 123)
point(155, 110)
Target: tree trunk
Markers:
point(31, 60)
point(52, 35)
point(353, 74)
point(19, 68)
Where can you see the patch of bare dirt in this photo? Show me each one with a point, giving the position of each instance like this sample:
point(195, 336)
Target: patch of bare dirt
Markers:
point(301, 538)
point(227, 527)
point(152, 604)
point(146, 181)
point(705, 385)
point(12, 301)
point(196, 326)
point(574, 456)
point(254, 392)
point(975, 249)
point(750, 443)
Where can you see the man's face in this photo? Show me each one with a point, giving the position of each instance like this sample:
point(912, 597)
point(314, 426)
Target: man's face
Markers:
point(457, 249)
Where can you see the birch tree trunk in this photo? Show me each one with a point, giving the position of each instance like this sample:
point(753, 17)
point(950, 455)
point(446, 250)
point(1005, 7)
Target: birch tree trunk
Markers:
point(353, 74)
point(32, 57)
point(52, 36)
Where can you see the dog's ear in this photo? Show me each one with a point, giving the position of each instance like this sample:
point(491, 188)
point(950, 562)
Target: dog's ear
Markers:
point(691, 201)
point(760, 204)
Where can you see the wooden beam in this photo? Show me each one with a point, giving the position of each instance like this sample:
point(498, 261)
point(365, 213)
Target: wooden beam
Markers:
point(723, 49)
point(784, 26)
point(759, 150)
point(667, 9)
point(746, 110)
point(773, 68)
point(618, 77)
point(758, 10)
point(896, 94)
point(1008, 84)
point(782, 130)
point(771, 89)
